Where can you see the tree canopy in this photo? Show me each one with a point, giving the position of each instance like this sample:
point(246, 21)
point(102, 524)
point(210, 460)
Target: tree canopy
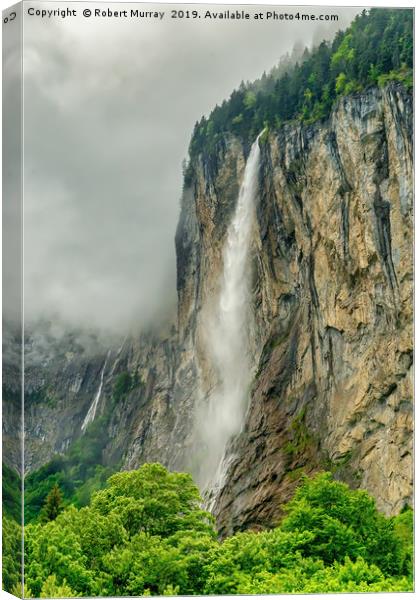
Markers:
point(146, 533)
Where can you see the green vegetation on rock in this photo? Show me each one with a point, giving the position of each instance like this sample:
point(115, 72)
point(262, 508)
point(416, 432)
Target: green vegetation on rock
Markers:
point(12, 493)
point(125, 382)
point(79, 473)
point(376, 49)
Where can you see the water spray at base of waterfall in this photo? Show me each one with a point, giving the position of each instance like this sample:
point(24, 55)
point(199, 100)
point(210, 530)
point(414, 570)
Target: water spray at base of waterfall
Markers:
point(227, 330)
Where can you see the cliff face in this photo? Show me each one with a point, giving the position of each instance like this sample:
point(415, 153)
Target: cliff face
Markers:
point(142, 421)
point(331, 259)
point(332, 254)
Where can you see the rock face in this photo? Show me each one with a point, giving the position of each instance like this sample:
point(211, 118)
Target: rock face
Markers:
point(332, 256)
point(143, 422)
point(332, 349)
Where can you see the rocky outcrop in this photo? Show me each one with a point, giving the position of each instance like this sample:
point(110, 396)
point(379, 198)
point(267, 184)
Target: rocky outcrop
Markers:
point(332, 347)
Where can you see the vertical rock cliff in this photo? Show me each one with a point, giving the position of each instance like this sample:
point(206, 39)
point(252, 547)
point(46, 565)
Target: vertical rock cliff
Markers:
point(332, 292)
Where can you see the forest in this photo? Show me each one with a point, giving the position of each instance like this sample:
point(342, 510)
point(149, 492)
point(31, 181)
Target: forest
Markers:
point(377, 48)
point(146, 533)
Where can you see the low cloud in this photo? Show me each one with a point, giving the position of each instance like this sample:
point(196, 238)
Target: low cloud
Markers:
point(109, 110)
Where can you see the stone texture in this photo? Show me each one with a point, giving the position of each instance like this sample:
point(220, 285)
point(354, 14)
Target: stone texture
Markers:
point(334, 293)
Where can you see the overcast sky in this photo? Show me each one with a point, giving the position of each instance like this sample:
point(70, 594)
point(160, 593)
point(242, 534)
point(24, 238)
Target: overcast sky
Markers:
point(110, 105)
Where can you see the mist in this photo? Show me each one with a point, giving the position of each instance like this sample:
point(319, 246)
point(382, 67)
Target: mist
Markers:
point(109, 108)
point(228, 328)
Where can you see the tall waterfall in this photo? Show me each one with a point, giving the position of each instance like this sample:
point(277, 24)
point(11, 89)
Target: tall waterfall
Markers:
point(91, 413)
point(227, 332)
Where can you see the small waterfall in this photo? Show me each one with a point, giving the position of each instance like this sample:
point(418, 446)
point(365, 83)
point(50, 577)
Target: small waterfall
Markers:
point(228, 334)
point(90, 415)
point(117, 357)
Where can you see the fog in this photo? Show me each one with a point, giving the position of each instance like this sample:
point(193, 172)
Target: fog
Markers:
point(109, 108)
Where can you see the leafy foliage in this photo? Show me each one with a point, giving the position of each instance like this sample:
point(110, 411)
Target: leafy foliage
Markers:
point(11, 553)
point(51, 589)
point(377, 48)
point(332, 539)
point(404, 530)
point(153, 501)
point(146, 534)
point(344, 523)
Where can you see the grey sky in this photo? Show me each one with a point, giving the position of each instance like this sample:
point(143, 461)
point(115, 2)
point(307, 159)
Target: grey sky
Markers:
point(110, 105)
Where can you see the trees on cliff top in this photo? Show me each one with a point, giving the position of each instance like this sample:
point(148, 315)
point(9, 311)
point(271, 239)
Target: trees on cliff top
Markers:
point(375, 49)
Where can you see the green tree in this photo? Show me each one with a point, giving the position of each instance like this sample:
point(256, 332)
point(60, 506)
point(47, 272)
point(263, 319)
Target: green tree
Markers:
point(53, 504)
point(250, 99)
point(243, 557)
point(144, 533)
point(404, 530)
point(340, 83)
point(309, 576)
point(11, 553)
point(152, 564)
point(12, 493)
point(345, 523)
point(52, 589)
point(21, 591)
point(154, 501)
point(54, 548)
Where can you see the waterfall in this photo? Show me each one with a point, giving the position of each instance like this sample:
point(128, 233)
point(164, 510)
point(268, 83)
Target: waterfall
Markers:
point(227, 339)
point(117, 358)
point(90, 415)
